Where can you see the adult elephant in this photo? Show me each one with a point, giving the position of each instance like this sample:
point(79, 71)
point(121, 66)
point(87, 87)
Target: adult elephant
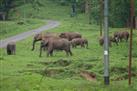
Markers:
point(40, 36)
point(121, 35)
point(55, 44)
point(70, 35)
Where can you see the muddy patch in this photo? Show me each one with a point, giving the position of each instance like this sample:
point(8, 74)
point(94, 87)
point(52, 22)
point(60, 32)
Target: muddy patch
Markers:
point(88, 75)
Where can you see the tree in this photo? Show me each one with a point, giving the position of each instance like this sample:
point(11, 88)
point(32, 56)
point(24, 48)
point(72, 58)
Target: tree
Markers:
point(119, 13)
point(5, 6)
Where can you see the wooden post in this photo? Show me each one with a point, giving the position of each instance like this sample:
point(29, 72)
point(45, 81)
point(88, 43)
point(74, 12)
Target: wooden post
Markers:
point(135, 22)
point(130, 43)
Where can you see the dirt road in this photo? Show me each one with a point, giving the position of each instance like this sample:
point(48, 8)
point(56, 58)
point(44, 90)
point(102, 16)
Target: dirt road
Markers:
point(51, 24)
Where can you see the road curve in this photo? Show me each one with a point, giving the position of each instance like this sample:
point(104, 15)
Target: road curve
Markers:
point(51, 24)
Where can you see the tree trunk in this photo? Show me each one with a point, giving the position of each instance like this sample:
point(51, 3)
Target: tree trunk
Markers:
point(136, 22)
point(87, 6)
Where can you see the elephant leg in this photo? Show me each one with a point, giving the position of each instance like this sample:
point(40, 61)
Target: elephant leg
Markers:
point(82, 45)
point(121, 39)
point(33, 45)
point(14, 50)
point(73, 46)
point(116, 43)
point(127, 39)
point(44, 48)
point(40, 51)
point(87, 45)
point(70, 52)
point(51, 53)
point(67, 54)
point(9, 52)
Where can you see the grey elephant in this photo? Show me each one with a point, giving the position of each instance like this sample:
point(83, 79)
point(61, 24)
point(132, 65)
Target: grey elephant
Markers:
point(111, 39)
point(55, 44)
point(40, 36)
point(79, 41)
point(121, 35)
point(70, 35)
point(11, 48)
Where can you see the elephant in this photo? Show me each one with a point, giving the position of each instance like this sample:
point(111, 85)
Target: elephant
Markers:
point(111, 39)
point(79, 41)
point(121, 35)
point(70, 35)
point(55, 44)
point(11, 48)
point(40, 36)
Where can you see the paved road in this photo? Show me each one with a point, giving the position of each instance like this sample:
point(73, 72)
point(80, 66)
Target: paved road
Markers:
point(51, 24)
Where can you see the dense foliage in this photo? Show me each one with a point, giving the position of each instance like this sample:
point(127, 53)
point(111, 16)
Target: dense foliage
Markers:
point(119, 12)
point(119, 9)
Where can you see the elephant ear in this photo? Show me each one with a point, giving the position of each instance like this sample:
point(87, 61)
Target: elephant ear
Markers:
point(44, 43)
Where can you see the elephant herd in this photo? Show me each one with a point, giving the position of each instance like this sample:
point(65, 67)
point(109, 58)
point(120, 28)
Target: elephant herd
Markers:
point(62, 41)
point(65, 41)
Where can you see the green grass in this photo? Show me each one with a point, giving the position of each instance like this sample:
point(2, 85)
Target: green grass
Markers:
point(23, 71)
point(10, 28)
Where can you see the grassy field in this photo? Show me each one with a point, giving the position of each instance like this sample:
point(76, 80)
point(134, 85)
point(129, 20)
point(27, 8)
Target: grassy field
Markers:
point(25, 71)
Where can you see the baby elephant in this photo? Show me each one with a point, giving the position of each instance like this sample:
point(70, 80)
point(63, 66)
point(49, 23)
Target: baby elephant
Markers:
point(11, 48)
point(55, 44)
point(111, 39)
point(79, 41)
